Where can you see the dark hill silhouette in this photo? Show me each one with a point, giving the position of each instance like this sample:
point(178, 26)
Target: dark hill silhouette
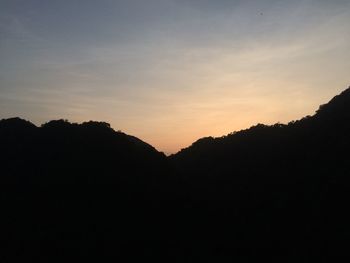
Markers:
point(63, 152)
point(290, 180)
point(278, 192)
point(306, 140)
point(66, 185)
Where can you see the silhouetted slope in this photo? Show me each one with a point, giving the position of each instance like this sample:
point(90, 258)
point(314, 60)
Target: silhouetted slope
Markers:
point(279, 183)
point(338, 109)
point(323, 136)
point(70, 189)
point(62, 152)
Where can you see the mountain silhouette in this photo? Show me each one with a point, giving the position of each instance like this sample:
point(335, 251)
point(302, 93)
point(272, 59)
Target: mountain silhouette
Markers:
point(88, 192)
point(324, 135)
point(63, 152)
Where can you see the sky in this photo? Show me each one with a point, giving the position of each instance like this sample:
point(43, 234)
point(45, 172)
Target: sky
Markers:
point(172, 71)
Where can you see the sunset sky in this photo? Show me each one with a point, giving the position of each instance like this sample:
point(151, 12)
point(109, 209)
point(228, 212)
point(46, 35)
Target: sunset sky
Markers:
point(172, 71)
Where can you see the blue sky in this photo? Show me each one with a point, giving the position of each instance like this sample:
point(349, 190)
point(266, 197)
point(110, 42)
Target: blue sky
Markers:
point(172, 71)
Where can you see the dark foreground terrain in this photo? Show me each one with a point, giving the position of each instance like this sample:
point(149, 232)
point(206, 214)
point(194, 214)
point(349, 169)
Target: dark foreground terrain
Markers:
point(86, 192)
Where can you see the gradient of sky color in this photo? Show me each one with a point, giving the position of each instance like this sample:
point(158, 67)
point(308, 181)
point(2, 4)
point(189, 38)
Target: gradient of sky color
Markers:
point(172, 71)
